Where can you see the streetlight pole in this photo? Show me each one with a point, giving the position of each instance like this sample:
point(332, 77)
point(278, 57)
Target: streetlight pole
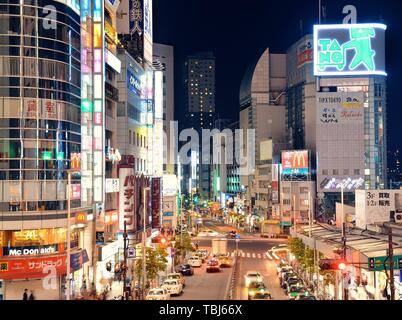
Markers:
point(391, 263)
point(125, 260)
point(68, 235)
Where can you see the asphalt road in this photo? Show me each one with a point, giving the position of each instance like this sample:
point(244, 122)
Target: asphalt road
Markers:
point(251, 256)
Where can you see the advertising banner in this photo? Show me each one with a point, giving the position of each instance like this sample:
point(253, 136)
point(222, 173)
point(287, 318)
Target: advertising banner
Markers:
point(305, 53)
point(127, 199)
point(156, 202)
point(31, 268)
point(349, 49)
point(295, 162)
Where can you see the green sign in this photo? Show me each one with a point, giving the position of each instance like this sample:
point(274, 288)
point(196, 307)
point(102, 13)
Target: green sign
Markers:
point(60, 155)
point(377, 263)
point(86, 106)
point(47, 155)
point(349, 49)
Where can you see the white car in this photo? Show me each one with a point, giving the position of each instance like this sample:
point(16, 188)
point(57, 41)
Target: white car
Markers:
point(172, 286)
point(208, 233)
point(176, 276)
point(194, 261)
point(252, 276)
point(158, 294)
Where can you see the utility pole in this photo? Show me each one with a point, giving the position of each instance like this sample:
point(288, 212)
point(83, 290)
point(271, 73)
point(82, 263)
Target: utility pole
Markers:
point(125, 261)
point(391, 263)
point(344, 289)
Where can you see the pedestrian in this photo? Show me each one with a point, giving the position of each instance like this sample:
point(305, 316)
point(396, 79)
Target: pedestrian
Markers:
point(25, 295)
point(31, 296)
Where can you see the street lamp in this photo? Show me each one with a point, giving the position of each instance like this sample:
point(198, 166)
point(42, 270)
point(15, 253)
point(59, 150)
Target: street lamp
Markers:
point(68, 233)
point(144, 236)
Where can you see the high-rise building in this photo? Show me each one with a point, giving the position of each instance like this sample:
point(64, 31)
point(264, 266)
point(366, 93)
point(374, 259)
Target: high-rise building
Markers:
point(199, 82)
point(164, 62)
point(262, 109)
point(40, 120)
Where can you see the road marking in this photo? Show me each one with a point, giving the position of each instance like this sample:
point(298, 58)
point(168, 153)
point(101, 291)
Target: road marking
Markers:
point(259, 256)
point(275, 255)
point(253, 255)
point(269, 256)
point(248, 254)
point(243, 254)
point(232, 254)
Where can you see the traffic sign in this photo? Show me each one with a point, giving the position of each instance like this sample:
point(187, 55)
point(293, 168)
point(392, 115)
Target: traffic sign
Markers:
point(377, 263)
point(237, 237)
point(172, 252)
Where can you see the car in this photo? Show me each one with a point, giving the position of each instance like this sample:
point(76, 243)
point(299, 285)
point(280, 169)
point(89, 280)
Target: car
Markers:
point(282, 266)
point(205, 252)
point(213, 266)
point(185, 269)
point(173, 286)
point(225, 261)
point(232, 234)
point(284, 270)
point(199, 255)
point(292, 282)
point(306, 296)
point(176, 276)
point(295, 291)
point(252, 276)
point(284, 278)
point(256, 287)
point(261, 296)
point(158, 294)
point(194, 261)
point(208, 233)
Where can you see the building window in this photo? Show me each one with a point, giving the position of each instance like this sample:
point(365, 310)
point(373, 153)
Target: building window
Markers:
point(335, 172)
point(346, 172)
point(303, 190)
point(325, 172)
point(129, 136)
point(357, 172)
point(286, 201)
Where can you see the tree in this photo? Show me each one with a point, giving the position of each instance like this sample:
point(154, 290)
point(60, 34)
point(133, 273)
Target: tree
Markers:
point(182, 247)
point(156, 261)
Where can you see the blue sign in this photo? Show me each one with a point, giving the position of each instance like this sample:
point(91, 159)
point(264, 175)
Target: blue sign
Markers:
point(133, 83)
point(168, 214)
point(301, 171)
point(238, 236)
point(78, 259)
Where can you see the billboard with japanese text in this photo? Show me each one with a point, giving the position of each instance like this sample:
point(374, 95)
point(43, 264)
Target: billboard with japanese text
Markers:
point(127, 197)
point(295, 162)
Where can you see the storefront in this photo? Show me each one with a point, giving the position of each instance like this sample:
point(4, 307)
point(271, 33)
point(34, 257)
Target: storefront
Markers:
point(108, 257)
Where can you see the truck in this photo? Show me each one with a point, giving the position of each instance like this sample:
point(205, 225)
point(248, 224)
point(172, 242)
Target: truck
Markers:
point(270, 229)
point(219, 247)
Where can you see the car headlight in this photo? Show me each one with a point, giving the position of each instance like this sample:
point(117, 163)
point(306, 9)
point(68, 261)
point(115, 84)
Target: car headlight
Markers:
point(251, 293)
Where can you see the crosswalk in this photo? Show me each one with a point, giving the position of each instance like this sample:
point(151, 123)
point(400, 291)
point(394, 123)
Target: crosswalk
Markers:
point(252, 255)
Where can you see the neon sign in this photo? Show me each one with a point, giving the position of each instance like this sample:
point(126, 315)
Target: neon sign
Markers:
point(349, 49)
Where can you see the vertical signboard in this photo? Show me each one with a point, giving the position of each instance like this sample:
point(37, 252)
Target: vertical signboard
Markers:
point(275, 183)
point(156, 202)
point(127, 197)
point(148, 37)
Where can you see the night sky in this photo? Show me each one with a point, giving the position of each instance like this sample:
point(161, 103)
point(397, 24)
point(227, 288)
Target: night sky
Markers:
point(238, 32)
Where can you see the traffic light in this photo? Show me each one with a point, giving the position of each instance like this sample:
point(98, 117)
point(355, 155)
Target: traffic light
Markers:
point(332, 264)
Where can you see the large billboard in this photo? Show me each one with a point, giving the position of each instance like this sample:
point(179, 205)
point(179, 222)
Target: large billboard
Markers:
point(295, 162)
point(340, 141)
point(349, 49)
point(156, 202)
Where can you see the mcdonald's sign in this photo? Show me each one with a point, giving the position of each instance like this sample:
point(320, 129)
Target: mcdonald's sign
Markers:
point(81, 217)
point(295, 162)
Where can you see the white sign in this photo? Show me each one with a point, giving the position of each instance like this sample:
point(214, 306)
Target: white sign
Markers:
point(169, 185)
point(112, 185)
point(113, 61)
point(109, 250)
point(374, 206)
point(336, 184)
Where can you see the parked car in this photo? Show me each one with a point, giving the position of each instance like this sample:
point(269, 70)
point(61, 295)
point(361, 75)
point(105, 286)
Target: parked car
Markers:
point(284, 278)
point(173, 286)
point(176, 276)
point(158, 294)
point(295, 291)
point(194, 261)
point(291, 282)
point(185, 269)
point(213, 266)
point(204, 252)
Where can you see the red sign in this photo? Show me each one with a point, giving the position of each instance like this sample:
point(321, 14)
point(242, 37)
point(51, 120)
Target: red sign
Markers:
point(156, 202)
point(295, 159)
point(31, 268)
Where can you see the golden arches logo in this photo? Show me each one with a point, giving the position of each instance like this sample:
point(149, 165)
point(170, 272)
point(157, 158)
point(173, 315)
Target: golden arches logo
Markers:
point(300, 157)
